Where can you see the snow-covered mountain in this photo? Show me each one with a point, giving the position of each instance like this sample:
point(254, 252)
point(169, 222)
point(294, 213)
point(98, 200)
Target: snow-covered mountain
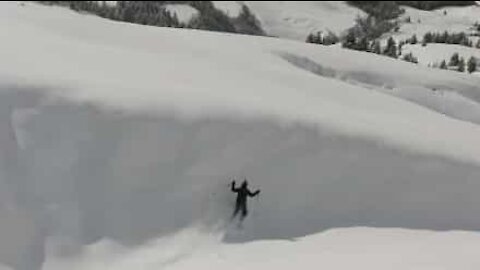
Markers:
point(119, 142)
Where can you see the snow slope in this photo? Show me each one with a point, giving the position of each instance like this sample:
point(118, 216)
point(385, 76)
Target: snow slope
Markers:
point(297, 19)
point(435, 53)
point(119, 141)
point(457, 19)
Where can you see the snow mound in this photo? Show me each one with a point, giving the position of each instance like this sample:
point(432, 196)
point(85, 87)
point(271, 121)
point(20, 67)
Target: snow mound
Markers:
point(184, 13)
point(344, 249)
point(297, 19)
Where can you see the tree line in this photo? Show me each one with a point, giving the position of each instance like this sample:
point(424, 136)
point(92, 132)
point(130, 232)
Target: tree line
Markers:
point(155, 13)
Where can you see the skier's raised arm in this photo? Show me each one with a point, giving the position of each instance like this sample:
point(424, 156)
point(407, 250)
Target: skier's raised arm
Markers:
point(233, 187)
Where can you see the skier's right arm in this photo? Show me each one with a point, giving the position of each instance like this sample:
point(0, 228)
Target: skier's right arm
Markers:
point(233, 186)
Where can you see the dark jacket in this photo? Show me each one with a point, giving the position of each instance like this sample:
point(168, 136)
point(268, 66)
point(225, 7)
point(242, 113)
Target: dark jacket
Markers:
point(243, 192)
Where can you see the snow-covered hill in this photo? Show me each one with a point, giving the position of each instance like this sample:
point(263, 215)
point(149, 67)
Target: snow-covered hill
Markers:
point(450, 19)
point(119, 141)
point(436, 53)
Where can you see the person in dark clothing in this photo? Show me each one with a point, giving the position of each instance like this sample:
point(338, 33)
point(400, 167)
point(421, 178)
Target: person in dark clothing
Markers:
point(241, 203)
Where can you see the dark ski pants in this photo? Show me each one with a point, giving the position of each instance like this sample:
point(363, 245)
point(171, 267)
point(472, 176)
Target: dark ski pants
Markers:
point(242, 209)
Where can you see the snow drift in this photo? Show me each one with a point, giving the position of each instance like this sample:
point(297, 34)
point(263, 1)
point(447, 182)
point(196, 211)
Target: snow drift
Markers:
point(126, 133)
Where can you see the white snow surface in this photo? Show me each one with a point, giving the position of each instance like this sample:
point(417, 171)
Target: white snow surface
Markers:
point(108, 3)
point(119, 142)
point(230, 8)
point(297, 19)
point(343, 249)
point(184, 12)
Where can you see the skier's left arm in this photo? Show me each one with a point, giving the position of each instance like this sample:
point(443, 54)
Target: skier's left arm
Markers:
point(253, 194)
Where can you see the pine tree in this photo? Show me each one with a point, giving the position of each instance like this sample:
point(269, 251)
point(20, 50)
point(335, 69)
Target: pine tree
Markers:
point(362, 45)
point(461, 65)
point(443, 65)
point(391, 49)
point(247, 23)
point(454, 60)
point(310, 38)
point(413, 39)
point(350, 41)
point(400, 47)
point(428, 38)
point(472, 65)
point(330, 39)
point(376, 48)
point(410, 58)
point(444, 37)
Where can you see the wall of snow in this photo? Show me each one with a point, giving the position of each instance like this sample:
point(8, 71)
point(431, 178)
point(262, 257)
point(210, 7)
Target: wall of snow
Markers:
point(83, 173)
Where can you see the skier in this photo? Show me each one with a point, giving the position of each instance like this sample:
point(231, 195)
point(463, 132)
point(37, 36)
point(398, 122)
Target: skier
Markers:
point(241, 202)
